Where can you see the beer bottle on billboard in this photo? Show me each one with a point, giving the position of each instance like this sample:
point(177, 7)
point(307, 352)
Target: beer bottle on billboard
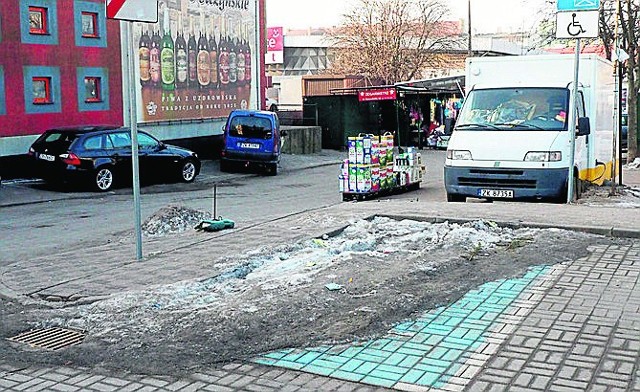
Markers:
point(192, 54)
point(203, 60)
point(167, 58)
point(154, 59)
point(247, 57)
point(223, 59)
point(143, 56)
point(213, 57)
point(233, 55)
point(241, 61)
point(182, 62)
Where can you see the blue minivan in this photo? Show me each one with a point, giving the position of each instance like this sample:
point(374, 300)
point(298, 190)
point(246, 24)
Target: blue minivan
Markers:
point(252, 138)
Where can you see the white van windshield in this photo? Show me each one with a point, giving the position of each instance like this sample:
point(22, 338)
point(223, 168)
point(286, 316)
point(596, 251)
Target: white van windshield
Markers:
point(515, 109)
point(250, 127)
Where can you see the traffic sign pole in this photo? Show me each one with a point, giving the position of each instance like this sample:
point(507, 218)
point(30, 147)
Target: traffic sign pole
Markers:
point(133, 124)
point(573, 119)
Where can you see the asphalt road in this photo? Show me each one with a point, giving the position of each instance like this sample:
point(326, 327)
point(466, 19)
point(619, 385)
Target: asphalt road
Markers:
point(84, 218)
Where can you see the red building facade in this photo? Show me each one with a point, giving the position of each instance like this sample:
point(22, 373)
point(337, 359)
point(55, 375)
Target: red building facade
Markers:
point(60, 65)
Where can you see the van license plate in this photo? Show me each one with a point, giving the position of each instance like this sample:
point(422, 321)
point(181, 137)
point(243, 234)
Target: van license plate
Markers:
point(499, 193)
point(47, 157)
point(250, 145)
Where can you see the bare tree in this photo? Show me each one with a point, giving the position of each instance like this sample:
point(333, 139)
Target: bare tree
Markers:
point(392, 40)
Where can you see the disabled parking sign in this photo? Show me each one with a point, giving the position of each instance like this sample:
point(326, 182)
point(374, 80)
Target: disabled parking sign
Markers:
point(577, 24)
point(578, 5)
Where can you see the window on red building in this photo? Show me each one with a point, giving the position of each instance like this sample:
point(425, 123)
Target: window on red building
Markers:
point(41, 90)
point(38, 21)
point(92, 89)
point(90, 25)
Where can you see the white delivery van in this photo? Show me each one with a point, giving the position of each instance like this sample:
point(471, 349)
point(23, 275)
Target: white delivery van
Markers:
point(511, 138)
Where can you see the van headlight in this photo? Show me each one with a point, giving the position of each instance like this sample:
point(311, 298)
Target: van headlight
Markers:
point(459, 155)
point(543, 156)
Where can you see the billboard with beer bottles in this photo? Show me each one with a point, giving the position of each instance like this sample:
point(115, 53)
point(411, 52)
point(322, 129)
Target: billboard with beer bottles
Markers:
point(198, 61)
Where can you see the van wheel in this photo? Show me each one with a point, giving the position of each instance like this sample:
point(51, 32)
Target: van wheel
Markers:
point(103, 179)
point(272, 169)
point(455, 198)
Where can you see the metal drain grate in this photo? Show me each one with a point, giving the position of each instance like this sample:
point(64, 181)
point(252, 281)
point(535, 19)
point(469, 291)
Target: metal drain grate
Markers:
point(50, 338)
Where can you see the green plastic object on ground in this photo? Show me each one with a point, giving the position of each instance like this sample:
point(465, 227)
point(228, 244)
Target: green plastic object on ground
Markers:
point(215, 225)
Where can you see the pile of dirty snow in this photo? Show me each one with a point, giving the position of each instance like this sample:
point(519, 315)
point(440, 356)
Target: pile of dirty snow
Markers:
point(633, 165)
point(601, 196)
point(172, 219)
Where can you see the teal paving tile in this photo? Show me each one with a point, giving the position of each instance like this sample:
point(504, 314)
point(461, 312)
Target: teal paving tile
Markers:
point(409, 361)
point(371, 358)
point(323, 371)
point(434, 339)
point(458, 332)
point(378, 381)
point(294, 355)
point(387, 375)
point(352, 365)
point(439, 363)
point(326, 364)
point(307, 357)
point(412, 376)
point(393, 345)
point(289, 364)
point(438, 352)
point(352, 351)
point(419, 338)
point(366, 368)
point(375, 352)
point(417, 346)
point(349, 376)
point(378, 344)
point(395, 359)
point(452, 354)
point(428, 378)
point(338, 359)
point(276, 355)
point(410, 351)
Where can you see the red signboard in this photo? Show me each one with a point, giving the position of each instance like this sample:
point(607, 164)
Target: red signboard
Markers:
point(382, 94)
point(275, 46)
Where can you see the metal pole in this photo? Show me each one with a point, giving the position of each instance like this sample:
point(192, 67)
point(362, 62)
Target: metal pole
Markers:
point(469, 51)
point(572, 124)
point(620, 77)
point(133, 123)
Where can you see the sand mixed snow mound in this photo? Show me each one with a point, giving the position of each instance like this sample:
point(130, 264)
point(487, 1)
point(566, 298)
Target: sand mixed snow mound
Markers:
point(172, 219)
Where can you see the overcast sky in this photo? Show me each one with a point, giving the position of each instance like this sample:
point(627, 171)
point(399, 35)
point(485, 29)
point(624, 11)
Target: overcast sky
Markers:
point(486, 15)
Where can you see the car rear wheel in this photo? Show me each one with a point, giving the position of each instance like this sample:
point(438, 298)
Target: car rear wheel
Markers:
point(103, 179)
point(188, 171)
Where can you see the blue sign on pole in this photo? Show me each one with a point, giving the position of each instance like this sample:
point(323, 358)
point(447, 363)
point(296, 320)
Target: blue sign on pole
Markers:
point(578, 5)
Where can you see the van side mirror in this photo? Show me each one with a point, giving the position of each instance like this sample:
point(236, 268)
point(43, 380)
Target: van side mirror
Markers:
point(584, 128)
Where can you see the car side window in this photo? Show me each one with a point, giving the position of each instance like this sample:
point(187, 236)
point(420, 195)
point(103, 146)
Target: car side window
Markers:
point(146, 141)
point(120, 140)
point(107, 142)
point(93, 143)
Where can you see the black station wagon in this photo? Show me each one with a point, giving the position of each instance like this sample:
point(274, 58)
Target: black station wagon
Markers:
point(102, 156)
